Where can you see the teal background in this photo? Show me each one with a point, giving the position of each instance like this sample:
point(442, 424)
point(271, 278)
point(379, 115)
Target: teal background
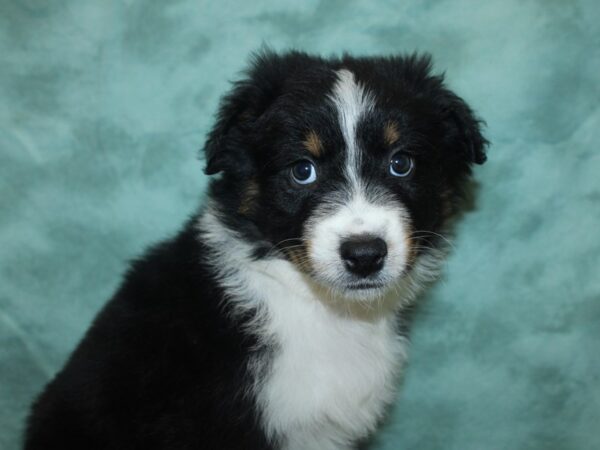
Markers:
point(103, 106)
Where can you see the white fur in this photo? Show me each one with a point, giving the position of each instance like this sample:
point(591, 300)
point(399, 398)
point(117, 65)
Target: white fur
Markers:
point(332, 374)
point(382, 217)
point(352, 102)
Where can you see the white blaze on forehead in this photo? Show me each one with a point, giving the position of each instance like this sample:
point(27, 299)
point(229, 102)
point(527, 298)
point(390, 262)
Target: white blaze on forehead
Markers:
point(352, 102)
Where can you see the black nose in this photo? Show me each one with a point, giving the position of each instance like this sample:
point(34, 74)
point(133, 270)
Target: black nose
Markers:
point(363, 255)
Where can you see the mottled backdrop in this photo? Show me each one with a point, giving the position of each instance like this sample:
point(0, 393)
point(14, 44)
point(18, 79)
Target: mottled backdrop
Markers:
point(104, 105)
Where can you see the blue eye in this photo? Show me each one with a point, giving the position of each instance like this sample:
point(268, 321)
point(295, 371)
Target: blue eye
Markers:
point(304, 172)
point(401, 165)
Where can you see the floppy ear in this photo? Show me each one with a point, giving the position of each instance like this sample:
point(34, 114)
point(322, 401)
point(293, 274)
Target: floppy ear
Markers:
point(228, 147)
point(225, 148)
point(463, 130)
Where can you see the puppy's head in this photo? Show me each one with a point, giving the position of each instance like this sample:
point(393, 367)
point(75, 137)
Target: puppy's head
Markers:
point(349, 167)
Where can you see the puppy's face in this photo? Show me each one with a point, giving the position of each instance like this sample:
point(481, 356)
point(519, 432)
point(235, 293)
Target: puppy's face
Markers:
point(349, 168)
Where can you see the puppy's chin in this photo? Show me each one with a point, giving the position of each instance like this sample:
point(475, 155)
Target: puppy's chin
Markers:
point(363, 291)
point(366, 293)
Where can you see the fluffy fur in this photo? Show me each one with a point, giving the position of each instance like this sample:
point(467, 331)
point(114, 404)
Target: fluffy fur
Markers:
point(252, 328)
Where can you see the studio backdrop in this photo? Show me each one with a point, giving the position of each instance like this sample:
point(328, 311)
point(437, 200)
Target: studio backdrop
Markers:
point(105, 105)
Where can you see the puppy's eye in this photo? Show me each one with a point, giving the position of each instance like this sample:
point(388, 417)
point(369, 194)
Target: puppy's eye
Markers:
point(401, 165)
point(304, 172)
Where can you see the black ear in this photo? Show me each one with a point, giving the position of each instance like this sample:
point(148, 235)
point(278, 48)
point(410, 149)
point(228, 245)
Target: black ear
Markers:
point(463, 130)
point(225, 148)
point(228, 147)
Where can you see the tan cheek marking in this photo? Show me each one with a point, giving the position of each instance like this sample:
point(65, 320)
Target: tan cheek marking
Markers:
point(249, 197)
point(410, 242)
point(313, 144)
point(308, 251)
point(299, 257)
point(391, 133)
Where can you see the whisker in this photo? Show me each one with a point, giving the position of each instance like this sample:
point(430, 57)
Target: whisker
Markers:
point(277, 247)
point(417, 234)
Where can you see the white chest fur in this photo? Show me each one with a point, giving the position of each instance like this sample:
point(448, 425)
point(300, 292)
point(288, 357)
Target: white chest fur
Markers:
point(331, 374)
point(331, 377)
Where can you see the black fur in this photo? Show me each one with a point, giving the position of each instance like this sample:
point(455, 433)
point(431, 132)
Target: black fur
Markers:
point(164, 365)
point(263, 120)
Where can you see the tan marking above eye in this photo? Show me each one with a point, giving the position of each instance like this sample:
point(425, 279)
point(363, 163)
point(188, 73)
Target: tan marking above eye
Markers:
point(391, 135)
point(313, 143)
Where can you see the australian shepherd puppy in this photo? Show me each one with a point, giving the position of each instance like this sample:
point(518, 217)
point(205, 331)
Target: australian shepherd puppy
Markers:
point(271, 321)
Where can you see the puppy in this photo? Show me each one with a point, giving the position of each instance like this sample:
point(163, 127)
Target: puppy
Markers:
point(271, 321)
